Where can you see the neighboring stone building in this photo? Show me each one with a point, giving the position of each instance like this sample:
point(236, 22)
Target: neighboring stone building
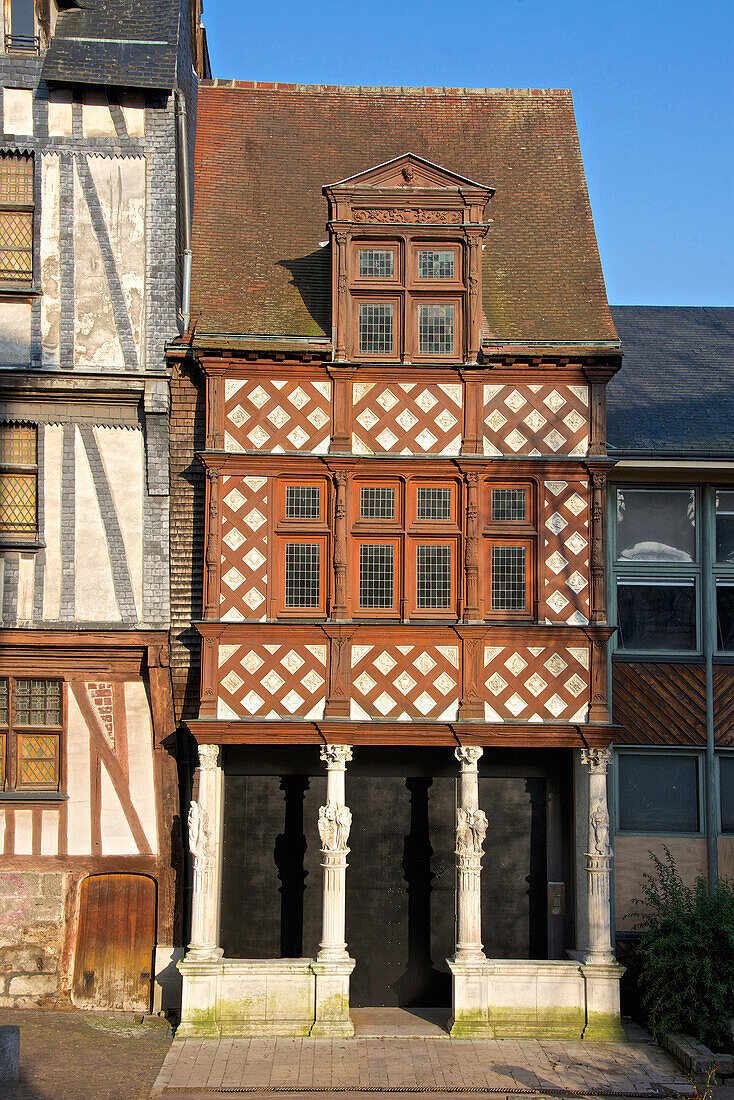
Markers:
point(98, 106)
point(389, 464)
point(671, 594)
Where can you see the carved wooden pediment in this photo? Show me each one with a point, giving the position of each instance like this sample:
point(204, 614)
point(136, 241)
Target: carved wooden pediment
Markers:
point(408, 170)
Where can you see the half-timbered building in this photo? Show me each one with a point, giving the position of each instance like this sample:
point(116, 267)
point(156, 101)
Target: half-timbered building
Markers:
point(93, 216)
point(389, 460)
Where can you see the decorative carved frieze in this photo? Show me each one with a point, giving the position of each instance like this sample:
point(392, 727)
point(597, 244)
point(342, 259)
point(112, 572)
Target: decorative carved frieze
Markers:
point(407, 216)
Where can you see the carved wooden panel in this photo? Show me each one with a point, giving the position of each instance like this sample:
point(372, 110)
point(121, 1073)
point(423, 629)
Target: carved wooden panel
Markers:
point(265, 414)
point(272, 681)
point(244, 582)
point(536, 683)
point(534, 419)
point(407, 418)
point(405, 682)
point(724, 704)
point(659, 703)
point(564, 596)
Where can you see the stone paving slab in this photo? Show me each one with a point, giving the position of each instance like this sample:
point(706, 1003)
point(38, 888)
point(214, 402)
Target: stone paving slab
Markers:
point(202, 1067)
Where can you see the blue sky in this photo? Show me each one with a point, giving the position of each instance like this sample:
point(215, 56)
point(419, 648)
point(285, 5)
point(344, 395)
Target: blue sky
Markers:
point(653, 88)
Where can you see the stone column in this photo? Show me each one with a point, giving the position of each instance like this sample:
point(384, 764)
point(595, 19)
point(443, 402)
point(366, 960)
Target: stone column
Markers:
point(332, 965)
point(471, 829)
point(598, 858)
point(204, 825)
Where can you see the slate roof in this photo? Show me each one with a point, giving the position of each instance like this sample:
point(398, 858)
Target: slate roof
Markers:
point(675, 392)
point(263, 153)
point(119, 43)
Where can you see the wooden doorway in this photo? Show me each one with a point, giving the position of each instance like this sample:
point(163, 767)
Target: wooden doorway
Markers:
point(115, 942)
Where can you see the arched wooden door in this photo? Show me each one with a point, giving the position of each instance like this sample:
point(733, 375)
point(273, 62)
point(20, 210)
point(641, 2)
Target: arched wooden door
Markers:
point(115, 942)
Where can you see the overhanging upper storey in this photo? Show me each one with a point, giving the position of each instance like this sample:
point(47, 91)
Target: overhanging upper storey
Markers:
point(406, 263)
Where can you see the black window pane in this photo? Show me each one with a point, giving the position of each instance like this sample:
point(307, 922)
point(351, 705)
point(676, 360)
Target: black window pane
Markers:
point(656, 525)
point(725, 526)
point(726, 788)
point(725, 617)
point(656, 616)
point(658, 793)
point(433, 577)
point(22, 22)
point(302, 574)
point(376, 577)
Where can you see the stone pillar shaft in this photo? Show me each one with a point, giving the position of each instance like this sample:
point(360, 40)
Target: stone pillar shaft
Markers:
point(471, 828)
point(598, 858)
point(204, 825)
point(335, 821)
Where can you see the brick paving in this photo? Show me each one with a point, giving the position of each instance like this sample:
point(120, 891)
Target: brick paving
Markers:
point(196, 1067)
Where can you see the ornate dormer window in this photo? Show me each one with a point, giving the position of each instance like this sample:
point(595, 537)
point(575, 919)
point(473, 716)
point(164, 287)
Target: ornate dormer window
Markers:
point(406, 268)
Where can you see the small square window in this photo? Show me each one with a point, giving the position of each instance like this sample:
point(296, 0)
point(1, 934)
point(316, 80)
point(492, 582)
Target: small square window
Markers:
point(436, 264)
point(38, 703)
point(302, 502)
point(509, 504)
point(508, 578)
point(434, 503)
point(656, 525)
point(433, 578)
point(302, 574)
point(436, 329)
point(376, 576)
point(376, 328)
point(376, 503)
point(658, 793)
point(376, 263)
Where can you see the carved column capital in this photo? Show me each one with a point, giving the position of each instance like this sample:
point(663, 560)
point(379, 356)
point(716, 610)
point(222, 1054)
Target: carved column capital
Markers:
point(597, 760)
point(336, 756)
point(468, 756)
point(208, 756)
point(599, 479)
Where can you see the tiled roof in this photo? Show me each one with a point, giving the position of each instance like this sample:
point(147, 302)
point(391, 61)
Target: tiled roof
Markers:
point(675, 391)
point(263, 153)
point(119, 43)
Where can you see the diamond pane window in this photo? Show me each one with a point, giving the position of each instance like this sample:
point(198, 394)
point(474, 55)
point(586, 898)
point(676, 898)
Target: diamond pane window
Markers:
point(3, 702)
point(376, 263)
point(376, 328)
point(17, 445)
point(435, 264)
point(38, 703)
point(434, 503)
point(377, 503)
point(376, 577)
point(508, 578)
point(17, 504)
point(16, 245)
point(509, 504)
point(16, 179)
point(433, 577)
point(302, 574)
point(435, 329)
point(302, 502)
point(38, 756)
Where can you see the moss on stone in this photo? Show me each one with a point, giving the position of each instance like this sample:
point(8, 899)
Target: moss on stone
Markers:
point(604, 1027)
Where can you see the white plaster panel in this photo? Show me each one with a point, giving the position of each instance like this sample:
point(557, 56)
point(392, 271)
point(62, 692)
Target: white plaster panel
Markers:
point(15, 333)
point(96, 343)
point(120, 183)
point(79, 842)
point(53, 448)
point(117, 840)
point(24, 832)
point(97, 119)
point(50, 263)
point(26, 585)
point(50, 833)
point(18, 111)
point(93, 585)
point(140, 756)
point(133, 110)
point(59, 113)
point(123, 460)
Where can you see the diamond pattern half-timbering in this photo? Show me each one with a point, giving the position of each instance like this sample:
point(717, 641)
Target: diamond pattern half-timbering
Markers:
point(536, 683)
point(565, 535)
point(244, 568)
point(405, 682)
point(407, 418)
point(272, 681)
point(271, 415)
point(534, 419)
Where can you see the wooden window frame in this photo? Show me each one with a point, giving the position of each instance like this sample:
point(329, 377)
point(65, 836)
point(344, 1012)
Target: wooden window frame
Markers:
point(371, 284)
point(376, 526)
point(434, 286)
point(13, 731)
point(414, 524)
point(375, 298)
point(19, 43)
point(378, 539)
point(19, 539)
point(526, 614)
point(510, 533)
point(317, 525)
point(411, 577)
point(281, 609)
point(414, 302)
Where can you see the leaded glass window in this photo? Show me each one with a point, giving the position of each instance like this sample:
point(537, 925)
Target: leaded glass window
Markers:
point(376, 576)
point(18, 481)
point(376, 502)
point(508, 578)
point(434, 503)
point(436, 264)
point(376, 263)
point(376, 328)
point(302, 574)
point(436, 329)
point(509, 504)
point(16, 224)
point(302, 502)
point(31, 716)
point(433, 577)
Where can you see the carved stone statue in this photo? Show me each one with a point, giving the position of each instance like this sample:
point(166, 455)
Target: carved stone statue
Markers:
point(334, 825)
point(599, 823)
point(471, 829)
point(199, 832)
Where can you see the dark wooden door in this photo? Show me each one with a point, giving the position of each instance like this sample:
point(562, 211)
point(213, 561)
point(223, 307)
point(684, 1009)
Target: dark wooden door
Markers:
point(115, 942)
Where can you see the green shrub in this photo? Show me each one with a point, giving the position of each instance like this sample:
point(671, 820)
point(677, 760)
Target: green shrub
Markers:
point(686, 953)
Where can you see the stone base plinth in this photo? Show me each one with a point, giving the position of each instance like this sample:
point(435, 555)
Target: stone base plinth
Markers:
point(251, 997)
point(502, 999)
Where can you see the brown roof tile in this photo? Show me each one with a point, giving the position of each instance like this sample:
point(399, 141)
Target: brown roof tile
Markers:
point(263, 153)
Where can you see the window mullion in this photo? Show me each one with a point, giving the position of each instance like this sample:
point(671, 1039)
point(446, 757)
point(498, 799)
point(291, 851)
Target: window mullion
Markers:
point(12, 756)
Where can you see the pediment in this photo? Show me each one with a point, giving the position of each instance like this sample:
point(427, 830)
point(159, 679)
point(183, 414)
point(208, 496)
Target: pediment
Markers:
point(408, 171)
